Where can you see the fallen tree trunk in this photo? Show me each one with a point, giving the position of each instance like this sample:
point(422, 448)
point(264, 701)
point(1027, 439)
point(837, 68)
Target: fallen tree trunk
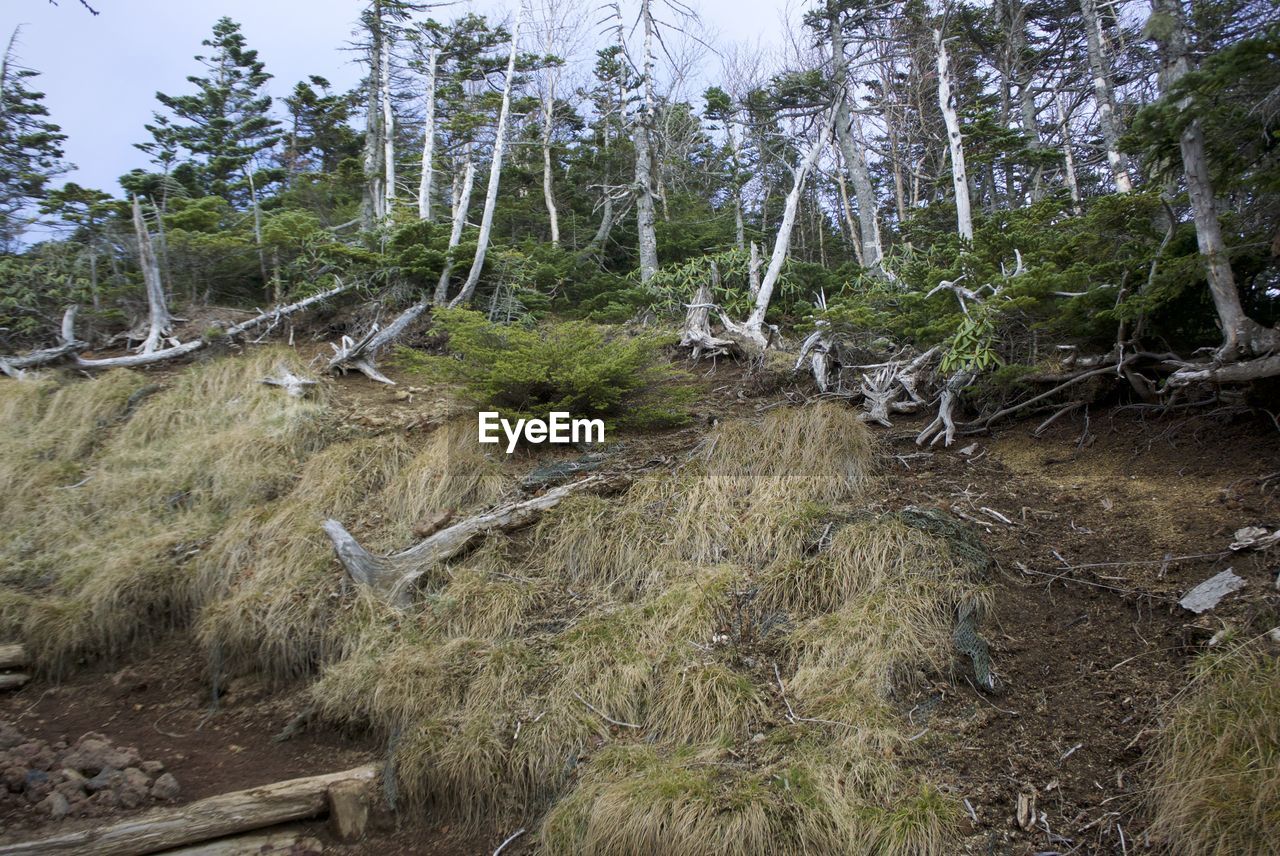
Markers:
point(13, 680)
point(12, 656)
point(135, 360)
point(69, 344)
point(392, 577)
point(203, 820)
point(287, 841)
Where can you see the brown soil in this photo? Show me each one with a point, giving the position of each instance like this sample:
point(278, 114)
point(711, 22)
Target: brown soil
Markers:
point(1087, 637)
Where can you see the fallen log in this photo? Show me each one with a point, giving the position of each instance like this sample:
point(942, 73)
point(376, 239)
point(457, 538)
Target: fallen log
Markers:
point(68, 344)
point(204, 820)
point(13, 656)
point(361, 355)
point(392, 577)
point(284, 842)
point(13, 680)
point(182, 350)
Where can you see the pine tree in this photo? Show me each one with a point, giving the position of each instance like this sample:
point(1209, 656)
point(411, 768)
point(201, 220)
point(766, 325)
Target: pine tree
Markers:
point(225, 125)
point(30, 148)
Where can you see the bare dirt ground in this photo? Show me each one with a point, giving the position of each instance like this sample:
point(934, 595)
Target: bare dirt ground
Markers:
point(1087, 637)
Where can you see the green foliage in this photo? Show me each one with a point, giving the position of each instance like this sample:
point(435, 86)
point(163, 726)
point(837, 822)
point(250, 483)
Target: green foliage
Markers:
point(573, 366)
point(30, 147)
point(972, 346)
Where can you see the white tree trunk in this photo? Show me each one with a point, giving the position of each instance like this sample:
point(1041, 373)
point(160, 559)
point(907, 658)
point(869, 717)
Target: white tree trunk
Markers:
point(643, 139)
point(495, 173)
point(548, 125)
point(1242, 336)
point(1102, 95)
point(428, 140)
point(959, 178)
point(160, 321)
point(388, 132)
point(1068, 158)
point(460, 208)
point(754, 326)
point(374, 202)
point(849, 139)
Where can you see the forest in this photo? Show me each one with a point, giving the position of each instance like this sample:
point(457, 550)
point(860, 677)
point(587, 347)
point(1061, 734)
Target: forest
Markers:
point(917, 331)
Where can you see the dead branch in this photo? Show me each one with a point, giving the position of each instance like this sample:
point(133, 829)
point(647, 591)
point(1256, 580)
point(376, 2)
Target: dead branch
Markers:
point(393, 577)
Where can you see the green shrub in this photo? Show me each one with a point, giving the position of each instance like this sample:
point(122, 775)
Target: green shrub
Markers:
point(573, 366)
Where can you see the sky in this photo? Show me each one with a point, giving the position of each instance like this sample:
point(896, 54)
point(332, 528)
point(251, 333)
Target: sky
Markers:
point(100, 74)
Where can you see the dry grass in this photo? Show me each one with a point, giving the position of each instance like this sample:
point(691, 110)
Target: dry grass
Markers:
point(125, 486)
point(639, 634)
point(1215, 782)
point(615, 671)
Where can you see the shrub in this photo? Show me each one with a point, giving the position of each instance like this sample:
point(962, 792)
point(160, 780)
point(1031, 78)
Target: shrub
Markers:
point(573, 366)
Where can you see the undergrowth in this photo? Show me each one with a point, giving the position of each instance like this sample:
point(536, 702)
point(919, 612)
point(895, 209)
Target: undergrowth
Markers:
point(1215, 783)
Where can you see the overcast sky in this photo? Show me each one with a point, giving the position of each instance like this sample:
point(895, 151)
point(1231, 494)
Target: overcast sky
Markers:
point(100, 74)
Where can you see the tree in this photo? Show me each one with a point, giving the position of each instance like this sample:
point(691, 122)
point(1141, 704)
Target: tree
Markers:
point(1242, 336)
point(495, 175)
point(30, 147)
point(318, 136)
point(225, 125)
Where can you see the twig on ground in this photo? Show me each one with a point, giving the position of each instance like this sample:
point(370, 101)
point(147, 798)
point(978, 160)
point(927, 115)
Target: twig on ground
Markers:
point(604, 715)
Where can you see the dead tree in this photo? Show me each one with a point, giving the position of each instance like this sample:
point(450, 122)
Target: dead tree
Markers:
point(393, 577)
point(495, 174)
point(160, 322)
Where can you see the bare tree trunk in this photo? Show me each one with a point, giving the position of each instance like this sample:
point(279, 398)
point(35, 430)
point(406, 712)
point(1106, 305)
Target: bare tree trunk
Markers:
point(1242, 335)
point(855, 158)
point(1068, 158)
point(1102, 94)
point(1026, 94)
point(257, 222)
point(606, 224)
point(645, 216)
point(160, 321)
point(495, 174)
point(393, 577)
point(371, 209)
point(735, 149)
point(388, 132)
point(959, 178)
point(548, 125)
point(848, 216)
point(428, 140)
point(460, 207)
point(753, 328)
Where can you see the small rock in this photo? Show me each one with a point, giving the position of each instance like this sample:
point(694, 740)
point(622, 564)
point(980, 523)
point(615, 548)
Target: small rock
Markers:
point(166, 788)
point(152, 768)
point(74, 777)
point(55, 805)
point(9, 736)
point(92, 754)
point(14, 776)
point(107, 778)
point(134, 788)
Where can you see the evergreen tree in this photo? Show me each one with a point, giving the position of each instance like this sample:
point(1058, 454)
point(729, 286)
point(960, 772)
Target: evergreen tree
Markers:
point(30, 148)
point(225, 125)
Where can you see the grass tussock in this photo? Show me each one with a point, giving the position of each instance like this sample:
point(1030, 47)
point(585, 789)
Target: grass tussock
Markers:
point(118, 484)
point(1215, 781)
point(708, 660)
point(618, 668)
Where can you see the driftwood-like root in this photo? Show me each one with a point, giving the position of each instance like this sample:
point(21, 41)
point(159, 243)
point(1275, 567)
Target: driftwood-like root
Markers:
point(393, 577)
